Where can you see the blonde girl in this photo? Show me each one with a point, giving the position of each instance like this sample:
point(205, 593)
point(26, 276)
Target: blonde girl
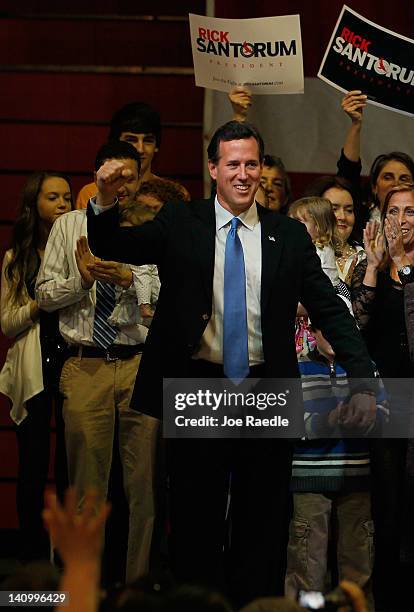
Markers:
point(318, 217)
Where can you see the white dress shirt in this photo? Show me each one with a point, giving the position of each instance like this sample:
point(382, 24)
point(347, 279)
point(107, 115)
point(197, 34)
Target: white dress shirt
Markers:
point(59, 286)
point(249, 232)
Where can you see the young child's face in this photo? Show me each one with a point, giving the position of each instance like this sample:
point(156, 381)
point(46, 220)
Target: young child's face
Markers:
point(304, 218)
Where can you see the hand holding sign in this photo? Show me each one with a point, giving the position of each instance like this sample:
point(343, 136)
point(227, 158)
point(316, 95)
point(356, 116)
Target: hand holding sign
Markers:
point(241, 101)
point(353, 105)
point(365, 56)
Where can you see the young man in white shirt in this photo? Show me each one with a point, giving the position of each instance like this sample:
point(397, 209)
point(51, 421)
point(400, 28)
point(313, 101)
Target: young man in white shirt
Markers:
point(98, 378)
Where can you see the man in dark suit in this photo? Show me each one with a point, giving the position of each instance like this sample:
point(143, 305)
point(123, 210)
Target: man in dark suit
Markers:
point(195, 246)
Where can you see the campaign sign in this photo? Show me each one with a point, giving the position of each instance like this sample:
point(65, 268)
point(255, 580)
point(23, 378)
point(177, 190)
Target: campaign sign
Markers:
point(263, 54)
point(379, 62)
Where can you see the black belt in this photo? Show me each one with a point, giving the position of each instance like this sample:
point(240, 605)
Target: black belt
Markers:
point(112, 353)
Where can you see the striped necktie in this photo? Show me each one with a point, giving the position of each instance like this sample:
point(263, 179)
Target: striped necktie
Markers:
point(103, 333)
point(235, 338)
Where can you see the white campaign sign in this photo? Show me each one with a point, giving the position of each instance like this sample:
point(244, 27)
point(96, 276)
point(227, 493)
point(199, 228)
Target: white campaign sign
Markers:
point(263, 54)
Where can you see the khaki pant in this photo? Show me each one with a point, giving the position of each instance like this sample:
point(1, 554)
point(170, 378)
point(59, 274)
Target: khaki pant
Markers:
point(308, 541)
point(93, 390)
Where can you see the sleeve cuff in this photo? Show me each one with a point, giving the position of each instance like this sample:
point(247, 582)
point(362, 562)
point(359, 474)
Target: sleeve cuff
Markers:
point(97, 209)
point(367, 287)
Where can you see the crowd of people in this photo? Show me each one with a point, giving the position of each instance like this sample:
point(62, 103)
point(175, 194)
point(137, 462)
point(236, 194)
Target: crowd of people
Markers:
point(136, 282)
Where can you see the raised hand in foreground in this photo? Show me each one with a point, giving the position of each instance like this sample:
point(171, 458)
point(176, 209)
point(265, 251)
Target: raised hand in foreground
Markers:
point(78, 537)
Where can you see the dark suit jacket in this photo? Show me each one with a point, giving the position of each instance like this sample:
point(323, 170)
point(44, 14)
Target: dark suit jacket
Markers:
point(181, 241)
point(409, 316)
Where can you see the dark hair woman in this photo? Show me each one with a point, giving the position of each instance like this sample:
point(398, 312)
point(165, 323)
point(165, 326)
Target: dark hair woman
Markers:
point(351, 218)
point(30, 373)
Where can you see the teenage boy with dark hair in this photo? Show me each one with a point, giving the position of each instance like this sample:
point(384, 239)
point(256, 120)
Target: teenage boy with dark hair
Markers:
point(140, 125)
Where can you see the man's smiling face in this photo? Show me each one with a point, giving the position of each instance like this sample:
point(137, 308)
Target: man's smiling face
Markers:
point(237, 173)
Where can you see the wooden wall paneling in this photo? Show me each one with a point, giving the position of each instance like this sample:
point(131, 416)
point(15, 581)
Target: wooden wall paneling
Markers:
point(11, 188)
point(8, 454)
point(102, 8)
point(5, 344)
point(72, 148)
point(8, 516)
point(95, 97)
point(5, 420)
point(88, 43)
point(5, 238)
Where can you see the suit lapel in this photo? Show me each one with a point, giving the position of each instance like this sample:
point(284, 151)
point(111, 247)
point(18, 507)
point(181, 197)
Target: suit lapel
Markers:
point(272, 247)
point(204, 237)
point(204, 241)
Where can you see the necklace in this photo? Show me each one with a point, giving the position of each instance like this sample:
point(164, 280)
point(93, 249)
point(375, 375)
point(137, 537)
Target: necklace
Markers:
point(346, 251)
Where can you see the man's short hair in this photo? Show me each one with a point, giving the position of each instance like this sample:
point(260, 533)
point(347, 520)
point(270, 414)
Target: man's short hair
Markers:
point(138, 118)
point(233, 130)
point(117, 149)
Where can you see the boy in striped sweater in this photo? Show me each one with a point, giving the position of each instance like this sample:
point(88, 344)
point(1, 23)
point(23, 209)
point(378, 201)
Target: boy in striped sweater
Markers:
point(330, 484)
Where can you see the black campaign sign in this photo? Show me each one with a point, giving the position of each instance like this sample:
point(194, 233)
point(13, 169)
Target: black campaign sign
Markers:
point(379, 62)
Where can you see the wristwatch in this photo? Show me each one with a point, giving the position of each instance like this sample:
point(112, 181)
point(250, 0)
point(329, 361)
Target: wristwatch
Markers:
point(406, 274)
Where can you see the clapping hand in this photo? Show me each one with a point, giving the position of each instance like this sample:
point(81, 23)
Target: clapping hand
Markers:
point(394, 237)
point(84, 258)
point(92, 268)
point(374, 244)
point(111, 272)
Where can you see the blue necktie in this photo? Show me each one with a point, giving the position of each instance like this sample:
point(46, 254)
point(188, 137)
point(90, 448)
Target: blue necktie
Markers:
point(103, 333)
point(235, 343)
